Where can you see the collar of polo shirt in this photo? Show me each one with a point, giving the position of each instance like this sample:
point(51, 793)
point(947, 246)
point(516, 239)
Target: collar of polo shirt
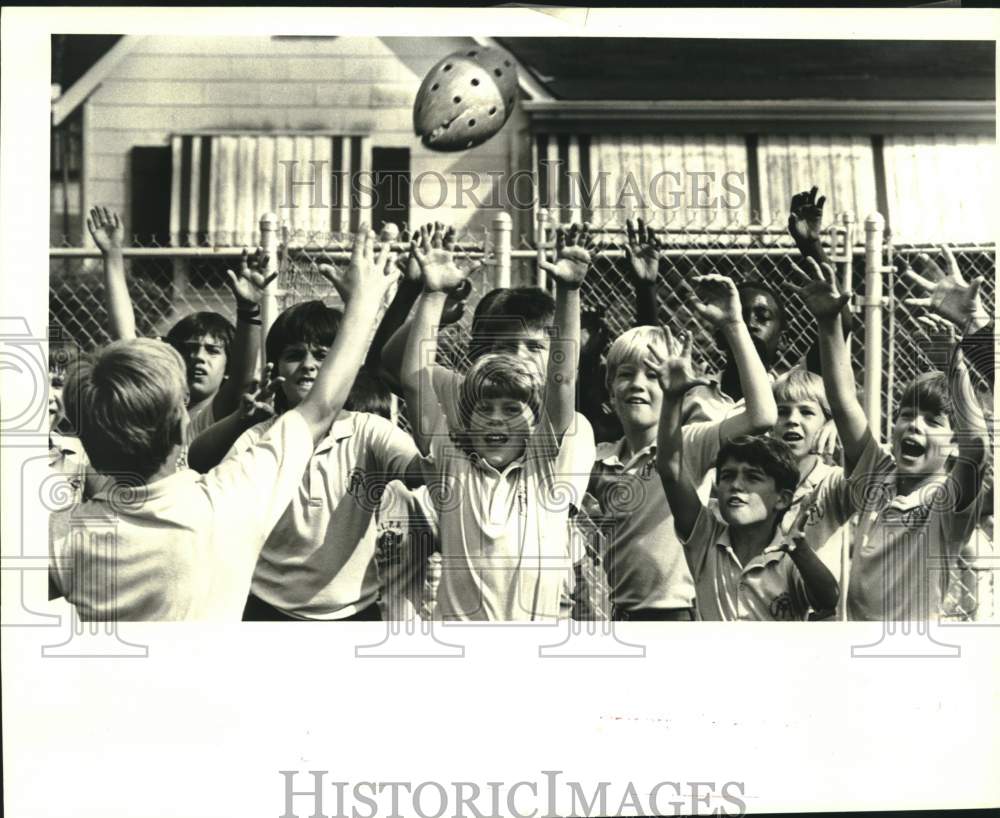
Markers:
point(340, 429)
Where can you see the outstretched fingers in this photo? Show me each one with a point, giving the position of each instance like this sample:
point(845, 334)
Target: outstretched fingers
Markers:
point(916, 278)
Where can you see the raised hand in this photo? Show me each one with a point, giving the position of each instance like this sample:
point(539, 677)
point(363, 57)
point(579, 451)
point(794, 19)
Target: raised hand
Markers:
point(820, 293)
point(643, 250)
point(257, 403)
point(717, 300)
point(827, 442)
point(573, 251)
point(249, 285)
point(454, 304)
point(106, 229)
point(950, 297)
point(408, 264)
point(367, 276)
point(437, 264)
point(675, 372)
point(806, 217)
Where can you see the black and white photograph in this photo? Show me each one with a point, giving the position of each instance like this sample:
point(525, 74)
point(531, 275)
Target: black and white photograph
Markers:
point(508, 340)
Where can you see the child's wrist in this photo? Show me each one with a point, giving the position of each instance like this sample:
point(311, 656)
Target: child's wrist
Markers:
point(248, 312)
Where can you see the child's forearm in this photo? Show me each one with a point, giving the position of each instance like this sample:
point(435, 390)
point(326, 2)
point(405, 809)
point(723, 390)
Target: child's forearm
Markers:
point(645, 304)
point(838, 382)
point(564, 359)
point(340, 368)
point(971, 431)
point(669, 441)
point(978, 346)
point(679, 488)
point(119, 302)
point(210, 448)
point(821, 586)
point(761, 410)
point(391, 360)
point(244, 355)
point(417, 365)
point(392, 320)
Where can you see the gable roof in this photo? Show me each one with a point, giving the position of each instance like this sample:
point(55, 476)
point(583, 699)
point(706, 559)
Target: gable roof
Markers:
point(99, 71)
point(88, 83)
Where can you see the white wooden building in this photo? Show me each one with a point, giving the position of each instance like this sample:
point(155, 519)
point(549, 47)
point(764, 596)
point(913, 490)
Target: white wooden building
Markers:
point(186, 136)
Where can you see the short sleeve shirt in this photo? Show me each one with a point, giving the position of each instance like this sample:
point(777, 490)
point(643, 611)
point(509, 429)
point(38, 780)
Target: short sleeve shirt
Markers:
point(506, 550)
point(643, 556)
point(184, 547)
point(318, 562)
point(769, 587)
point(904, 544)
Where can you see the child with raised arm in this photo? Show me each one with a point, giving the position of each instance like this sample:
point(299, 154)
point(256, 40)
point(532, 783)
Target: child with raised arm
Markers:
point(502, 462)
point(743, 566)
point(820, 506)
point(185, 545)
point(220, 360)
point(647, 572)
point(919, 504)
point(318, 562)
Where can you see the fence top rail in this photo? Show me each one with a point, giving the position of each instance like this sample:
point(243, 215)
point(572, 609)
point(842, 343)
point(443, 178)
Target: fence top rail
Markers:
point(338, 250)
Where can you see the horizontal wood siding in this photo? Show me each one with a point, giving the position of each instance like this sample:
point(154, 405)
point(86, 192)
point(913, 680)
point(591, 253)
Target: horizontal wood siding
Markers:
point(361, 86)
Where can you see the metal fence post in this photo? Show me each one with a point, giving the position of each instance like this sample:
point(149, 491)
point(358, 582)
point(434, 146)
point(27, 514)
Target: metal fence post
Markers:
point(890, 357)
point(847, 279)
point(502, 227)
point(269, 227)
point(541, 243)
point(874, 227)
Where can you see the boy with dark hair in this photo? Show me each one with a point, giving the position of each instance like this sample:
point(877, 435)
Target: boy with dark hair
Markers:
point(919, 504)
point(220, 360)
point(764, 315)
point(743, 566)
point(318, 562)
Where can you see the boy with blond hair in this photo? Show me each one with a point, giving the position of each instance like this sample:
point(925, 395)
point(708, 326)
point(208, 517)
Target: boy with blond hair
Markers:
point(502, 462)
point(185, 544)
point(644, 560)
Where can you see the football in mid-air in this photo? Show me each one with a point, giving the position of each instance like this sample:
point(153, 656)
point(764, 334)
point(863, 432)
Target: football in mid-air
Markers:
point(465, 99)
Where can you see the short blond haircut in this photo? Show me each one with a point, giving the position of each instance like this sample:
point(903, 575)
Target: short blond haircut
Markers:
point(799, 385)
point(632, 347)
point(129, 403)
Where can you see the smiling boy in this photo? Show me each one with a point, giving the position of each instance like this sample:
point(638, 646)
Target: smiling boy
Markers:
point(647, 572)
point(502, 463)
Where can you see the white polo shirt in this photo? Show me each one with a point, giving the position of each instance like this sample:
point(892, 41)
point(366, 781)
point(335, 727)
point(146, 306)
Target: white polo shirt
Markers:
point(183, 547)
point(769, 587)
point(505, 545)
point(318, 562)
point(644, 558)
point(904, 544)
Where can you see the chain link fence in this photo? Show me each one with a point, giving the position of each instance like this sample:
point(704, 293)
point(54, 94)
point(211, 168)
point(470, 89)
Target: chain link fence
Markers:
point(168, 283)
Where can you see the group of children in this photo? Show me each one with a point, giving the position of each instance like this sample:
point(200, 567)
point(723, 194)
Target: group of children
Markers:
point(293, 497)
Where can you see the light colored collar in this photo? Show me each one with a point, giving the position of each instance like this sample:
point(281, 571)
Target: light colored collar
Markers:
point(341, 429)
point(611, 453)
